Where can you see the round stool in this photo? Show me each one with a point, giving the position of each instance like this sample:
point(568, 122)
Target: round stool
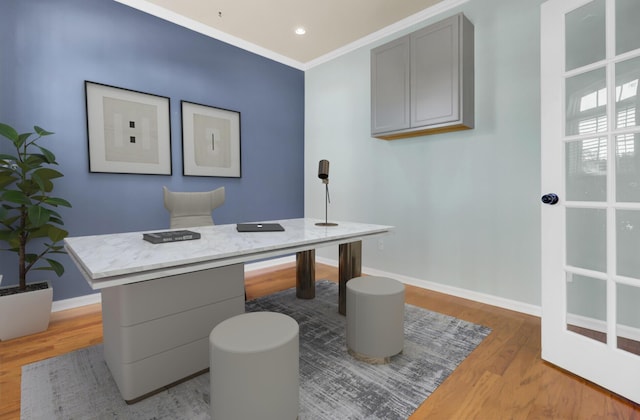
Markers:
point(254, 361)
point(375, 318)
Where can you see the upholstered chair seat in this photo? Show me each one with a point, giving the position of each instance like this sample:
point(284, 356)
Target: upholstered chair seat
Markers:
point(190, 209)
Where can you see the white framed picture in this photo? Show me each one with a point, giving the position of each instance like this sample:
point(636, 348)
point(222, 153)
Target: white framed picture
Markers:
point(210, 141)
point(128, 131)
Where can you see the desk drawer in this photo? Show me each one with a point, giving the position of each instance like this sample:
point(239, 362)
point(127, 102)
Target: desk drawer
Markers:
point(150, 338)
point(135, 303)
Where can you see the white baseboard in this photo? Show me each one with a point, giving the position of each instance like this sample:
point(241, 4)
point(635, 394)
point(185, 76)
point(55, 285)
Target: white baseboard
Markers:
point(577, 320)
point(509, 304)
point(599, 325)
point(631, 333)
point(269, 263)
point(449, 290)
point(61, 305)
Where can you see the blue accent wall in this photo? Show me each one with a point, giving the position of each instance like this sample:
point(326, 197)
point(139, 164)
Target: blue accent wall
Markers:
point(49, 48)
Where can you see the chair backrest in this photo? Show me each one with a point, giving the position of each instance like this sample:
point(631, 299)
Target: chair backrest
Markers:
point(190, 209)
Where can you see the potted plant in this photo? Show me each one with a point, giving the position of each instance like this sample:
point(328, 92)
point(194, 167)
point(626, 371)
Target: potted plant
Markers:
point(29, 227)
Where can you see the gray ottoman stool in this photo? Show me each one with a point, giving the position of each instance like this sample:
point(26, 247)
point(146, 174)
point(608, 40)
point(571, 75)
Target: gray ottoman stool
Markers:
point(375, 318)
point(254, 361)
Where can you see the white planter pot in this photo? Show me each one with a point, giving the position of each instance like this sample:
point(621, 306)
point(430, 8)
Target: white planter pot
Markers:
point(25, 313)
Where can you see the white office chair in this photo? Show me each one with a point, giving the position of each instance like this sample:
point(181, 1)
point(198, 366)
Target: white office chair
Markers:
point(190, 209)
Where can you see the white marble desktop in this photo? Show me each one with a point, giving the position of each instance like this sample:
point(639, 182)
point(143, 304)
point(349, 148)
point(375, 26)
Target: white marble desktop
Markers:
point(122, 258)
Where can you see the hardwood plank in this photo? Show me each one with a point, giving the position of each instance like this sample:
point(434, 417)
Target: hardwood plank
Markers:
point(504, 378)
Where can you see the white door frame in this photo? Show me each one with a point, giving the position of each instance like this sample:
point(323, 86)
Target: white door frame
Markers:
point(601, 363)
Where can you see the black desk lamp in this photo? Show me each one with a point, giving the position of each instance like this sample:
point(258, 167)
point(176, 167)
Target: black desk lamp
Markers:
point(323, 174)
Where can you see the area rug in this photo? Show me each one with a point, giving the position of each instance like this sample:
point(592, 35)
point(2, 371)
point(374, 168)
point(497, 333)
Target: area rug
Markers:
point(333, 385)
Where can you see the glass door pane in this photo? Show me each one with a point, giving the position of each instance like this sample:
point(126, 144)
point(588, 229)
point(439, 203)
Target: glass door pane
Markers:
point(628, 168)
point(627, 100)
point(587, 306)
point(586, 169)
point(627, 28)
point(587, 239)
point(628, 243)
point(628, 316)
point(585, 35)
point(586, 103)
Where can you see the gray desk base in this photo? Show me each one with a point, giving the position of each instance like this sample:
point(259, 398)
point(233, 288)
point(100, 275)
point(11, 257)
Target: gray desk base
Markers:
point(156, 332)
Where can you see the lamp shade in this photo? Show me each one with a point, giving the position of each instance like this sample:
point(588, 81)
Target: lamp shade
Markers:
point(323, 169)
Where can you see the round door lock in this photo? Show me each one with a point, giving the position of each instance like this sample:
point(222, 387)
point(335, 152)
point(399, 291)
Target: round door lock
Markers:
point(550, 199)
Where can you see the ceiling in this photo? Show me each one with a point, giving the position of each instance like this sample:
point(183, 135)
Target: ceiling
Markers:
point(267, 26)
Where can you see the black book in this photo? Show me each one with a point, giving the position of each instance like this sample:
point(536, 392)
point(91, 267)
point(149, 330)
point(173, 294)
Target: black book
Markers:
point(170, 236)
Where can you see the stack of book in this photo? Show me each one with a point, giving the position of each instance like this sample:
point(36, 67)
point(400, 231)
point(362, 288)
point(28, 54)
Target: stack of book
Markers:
point(170, 236)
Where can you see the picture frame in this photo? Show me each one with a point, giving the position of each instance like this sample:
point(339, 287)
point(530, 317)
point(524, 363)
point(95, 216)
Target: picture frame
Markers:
point(128, 131)
point(210, 141)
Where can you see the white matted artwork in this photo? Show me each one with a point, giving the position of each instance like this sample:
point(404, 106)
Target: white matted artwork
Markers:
point(210, 141)
point(129, 131)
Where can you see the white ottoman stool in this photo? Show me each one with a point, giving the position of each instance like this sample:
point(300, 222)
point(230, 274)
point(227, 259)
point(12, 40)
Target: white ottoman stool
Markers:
point(254, 361)
point(375, 318)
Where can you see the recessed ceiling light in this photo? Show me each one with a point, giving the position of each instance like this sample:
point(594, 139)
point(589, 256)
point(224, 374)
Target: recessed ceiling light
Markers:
point(300, 30)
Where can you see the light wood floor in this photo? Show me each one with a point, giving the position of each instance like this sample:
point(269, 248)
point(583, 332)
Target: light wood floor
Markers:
point(504, 378)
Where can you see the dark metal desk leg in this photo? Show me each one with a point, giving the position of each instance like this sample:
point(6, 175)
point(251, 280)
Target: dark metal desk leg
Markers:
point(350, 266)
point(306, 274)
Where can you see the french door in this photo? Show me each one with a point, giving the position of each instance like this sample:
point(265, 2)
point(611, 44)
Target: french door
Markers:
point(590, 72)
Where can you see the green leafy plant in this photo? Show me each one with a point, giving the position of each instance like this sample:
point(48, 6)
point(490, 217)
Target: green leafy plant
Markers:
point(26, 205)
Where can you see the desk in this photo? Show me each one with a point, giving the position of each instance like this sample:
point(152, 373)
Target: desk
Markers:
point(161, 301)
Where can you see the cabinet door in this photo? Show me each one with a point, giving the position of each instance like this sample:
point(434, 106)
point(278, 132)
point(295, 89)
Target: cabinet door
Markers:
point(435, 73)
point(390, 96)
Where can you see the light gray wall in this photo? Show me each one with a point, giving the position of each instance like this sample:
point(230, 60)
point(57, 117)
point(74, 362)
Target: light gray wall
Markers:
point(465, 205)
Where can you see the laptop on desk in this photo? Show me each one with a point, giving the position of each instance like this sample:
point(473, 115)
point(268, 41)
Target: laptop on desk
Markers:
point(259, 227)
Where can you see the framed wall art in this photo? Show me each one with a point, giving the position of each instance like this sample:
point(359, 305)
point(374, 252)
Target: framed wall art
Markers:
point(129, 131)
point(210, 141)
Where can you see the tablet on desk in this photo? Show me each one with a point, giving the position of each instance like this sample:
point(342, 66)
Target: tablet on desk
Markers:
point(259, 227)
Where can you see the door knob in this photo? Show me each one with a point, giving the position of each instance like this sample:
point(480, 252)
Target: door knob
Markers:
point(550, 198)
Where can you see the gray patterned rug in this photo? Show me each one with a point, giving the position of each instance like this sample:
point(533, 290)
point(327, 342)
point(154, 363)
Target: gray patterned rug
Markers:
point(333, 385)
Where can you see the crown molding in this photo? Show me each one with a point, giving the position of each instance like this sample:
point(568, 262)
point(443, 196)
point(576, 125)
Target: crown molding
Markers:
point(414, 19)
point(173, 17)
point(170, 16)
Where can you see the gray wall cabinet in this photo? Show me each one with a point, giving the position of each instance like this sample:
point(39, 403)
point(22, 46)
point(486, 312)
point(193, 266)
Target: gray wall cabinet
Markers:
point(422, 83)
